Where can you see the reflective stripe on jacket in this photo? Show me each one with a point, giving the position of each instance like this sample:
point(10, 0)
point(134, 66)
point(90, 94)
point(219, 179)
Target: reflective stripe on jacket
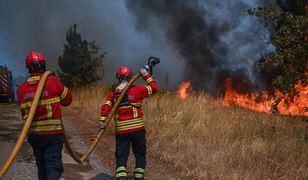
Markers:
point(128, 117)
point(47, 118)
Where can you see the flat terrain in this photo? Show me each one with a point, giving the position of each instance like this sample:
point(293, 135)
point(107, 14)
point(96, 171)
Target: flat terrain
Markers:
point(81, 133)
point(24, 166)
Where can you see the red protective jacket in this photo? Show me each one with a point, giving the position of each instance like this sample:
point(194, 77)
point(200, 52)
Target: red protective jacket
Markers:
point(129, 115)
point(47, 118)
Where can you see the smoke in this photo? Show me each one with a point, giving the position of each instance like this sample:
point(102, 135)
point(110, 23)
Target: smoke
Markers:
point(217, 39)
point(42, 25)
point(203, 41)
point(296, 7)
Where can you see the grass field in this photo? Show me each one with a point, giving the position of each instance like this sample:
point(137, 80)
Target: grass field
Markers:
point(204, 140)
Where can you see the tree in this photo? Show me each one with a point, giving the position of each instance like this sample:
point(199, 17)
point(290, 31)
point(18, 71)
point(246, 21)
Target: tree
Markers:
point(289, 31)
point(81, 61)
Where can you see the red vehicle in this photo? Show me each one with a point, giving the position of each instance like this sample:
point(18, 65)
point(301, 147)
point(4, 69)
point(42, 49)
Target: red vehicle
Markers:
point(6, 85)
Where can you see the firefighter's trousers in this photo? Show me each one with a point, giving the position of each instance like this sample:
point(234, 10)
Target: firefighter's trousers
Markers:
point(47, 151)
point(138, 142)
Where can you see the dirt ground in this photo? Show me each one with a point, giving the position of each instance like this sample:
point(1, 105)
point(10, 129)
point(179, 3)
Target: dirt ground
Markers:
point(81, 133)
point(105, 150)
point(24, 168)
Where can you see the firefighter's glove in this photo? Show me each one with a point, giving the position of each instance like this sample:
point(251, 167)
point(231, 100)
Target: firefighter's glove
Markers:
point(101, 125)
point(147, 67)
point(143, 71)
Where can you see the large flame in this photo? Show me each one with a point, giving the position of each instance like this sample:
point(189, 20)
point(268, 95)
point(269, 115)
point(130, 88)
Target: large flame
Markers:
point(260, 101)
point(183, 90)
point(283, 104)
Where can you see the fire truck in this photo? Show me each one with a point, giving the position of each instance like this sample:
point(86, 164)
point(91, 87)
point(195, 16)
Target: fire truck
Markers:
point(6, 85)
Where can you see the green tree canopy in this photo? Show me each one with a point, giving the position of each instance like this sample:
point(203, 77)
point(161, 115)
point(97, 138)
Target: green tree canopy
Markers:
point(289, 30)
point(81, 61)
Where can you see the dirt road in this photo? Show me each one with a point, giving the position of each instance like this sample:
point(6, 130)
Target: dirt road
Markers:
point(24, 166)
point(105, 150)
point(81, 133)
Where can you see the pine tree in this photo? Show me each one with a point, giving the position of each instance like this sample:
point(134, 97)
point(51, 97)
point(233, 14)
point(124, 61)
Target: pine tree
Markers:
point(81, 61)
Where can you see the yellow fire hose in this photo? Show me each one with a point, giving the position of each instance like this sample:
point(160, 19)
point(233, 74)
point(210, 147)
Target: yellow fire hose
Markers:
point(101, 132)
point(27, 125)
point(29, 119)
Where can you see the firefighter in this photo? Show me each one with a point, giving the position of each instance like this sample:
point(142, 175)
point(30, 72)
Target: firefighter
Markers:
point(129, 122)
point(46, 134)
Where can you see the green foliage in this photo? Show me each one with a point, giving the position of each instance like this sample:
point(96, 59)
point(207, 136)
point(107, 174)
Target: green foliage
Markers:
point(81, 61)
point(288, 34)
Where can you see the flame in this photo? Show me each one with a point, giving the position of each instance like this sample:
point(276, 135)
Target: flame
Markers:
point(183, 89)
point(263, 102)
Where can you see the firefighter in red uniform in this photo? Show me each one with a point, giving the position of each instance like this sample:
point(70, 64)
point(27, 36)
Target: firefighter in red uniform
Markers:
point(46, 134)
point(129, 123)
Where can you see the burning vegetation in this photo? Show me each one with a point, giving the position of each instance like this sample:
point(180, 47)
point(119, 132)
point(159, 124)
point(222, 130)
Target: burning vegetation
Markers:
point(264, 101)
point(183, 90)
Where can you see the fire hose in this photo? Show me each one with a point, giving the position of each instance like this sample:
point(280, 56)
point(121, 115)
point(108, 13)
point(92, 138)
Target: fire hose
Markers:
point(152, 61)
point(26, 126)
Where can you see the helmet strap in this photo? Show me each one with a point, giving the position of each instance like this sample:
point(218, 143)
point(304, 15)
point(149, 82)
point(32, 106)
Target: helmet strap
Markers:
point(123, 79)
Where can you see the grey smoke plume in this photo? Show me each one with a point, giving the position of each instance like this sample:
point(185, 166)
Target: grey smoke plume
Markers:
point(41, 26)
point(216, 38)
point(203, 41)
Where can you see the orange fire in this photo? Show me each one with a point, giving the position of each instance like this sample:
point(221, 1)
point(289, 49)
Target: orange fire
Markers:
point(263, 102)
point(183, 90)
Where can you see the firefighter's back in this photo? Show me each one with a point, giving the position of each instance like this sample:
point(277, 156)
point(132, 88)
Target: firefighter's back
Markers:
point(47, 118)
point(46, 133)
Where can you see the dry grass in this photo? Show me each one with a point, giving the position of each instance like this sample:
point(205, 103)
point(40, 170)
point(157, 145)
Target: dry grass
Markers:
point(204, 140)
point(89, 100)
